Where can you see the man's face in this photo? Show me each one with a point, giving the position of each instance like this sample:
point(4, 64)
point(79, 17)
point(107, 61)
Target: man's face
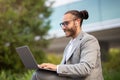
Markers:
point(68, 25)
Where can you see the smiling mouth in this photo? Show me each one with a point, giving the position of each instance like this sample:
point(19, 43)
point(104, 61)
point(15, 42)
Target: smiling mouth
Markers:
point(66, 31)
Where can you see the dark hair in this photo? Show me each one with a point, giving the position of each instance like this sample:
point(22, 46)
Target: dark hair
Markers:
point(79, 14)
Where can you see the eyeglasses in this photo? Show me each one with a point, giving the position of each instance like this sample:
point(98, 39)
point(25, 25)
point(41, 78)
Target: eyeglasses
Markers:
point(65, 23)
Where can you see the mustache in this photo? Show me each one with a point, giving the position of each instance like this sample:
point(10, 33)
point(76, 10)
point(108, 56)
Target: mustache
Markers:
point(69, 30)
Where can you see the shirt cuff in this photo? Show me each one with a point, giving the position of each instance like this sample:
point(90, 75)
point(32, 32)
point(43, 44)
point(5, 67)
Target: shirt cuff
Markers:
point(57, 68)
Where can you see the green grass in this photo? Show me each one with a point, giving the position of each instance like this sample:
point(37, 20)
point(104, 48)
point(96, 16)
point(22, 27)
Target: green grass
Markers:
point(8, 75)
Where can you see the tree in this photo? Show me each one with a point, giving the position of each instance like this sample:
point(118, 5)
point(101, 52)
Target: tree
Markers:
point(20, 22)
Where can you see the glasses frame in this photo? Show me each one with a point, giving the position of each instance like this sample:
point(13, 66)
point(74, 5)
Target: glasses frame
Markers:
point(65, 23)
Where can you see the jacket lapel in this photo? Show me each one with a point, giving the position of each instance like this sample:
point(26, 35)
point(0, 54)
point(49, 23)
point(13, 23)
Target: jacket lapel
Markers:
point(76, 43)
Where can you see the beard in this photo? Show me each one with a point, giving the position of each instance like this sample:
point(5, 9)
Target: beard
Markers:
point(70, 32)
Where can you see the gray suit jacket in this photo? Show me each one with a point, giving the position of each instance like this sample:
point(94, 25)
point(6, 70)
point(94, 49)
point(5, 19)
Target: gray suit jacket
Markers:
point(83, 62)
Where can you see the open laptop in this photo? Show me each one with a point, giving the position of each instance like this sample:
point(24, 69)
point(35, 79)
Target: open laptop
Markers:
point(27, 58)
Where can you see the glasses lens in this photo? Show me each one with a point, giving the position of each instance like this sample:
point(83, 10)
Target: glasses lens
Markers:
point(64, 23)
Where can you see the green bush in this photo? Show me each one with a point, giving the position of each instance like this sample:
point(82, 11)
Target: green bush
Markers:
point(111, 69)
point(53, 58)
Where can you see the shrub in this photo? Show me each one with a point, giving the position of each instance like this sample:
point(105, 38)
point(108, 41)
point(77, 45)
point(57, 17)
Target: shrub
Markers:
point(111, 69)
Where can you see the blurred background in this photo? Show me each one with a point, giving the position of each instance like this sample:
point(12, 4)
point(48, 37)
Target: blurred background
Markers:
point(36, 23)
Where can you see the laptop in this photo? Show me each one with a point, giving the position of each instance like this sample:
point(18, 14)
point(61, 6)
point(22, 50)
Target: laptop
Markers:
point(27, 58)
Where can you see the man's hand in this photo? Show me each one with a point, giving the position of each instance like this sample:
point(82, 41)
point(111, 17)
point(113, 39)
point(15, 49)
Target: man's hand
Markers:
point(48, 66)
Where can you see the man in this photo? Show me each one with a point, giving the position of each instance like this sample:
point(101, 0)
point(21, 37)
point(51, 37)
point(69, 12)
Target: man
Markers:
point(81, 60)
